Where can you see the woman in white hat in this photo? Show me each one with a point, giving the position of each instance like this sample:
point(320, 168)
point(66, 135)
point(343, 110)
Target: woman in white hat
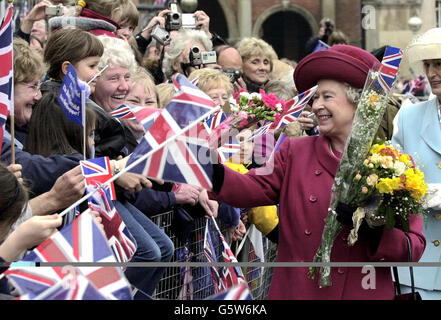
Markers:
point(418, 132)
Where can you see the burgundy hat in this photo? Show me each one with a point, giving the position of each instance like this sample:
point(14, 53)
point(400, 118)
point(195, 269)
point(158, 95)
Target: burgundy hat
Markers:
point(343, 63)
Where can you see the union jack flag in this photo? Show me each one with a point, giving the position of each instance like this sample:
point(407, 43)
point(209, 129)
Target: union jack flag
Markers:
point(230, 276)
point(146, 116)
point(210, 254)
point(187, 158)
point(232, 146)
point(119, 238)
point(123, 112)
point(260, 131)
point(77, 288)
point(6, 71)
point(240, 292)
point(80, 241)
point(98, 170)
point(294, 108)
point(389, 67)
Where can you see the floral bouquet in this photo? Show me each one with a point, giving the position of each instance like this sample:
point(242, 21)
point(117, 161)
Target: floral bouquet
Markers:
point(368, 116)
point(247, 110)
point(390, 181)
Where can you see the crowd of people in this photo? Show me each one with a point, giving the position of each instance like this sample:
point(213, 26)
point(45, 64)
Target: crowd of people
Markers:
point(40, 170)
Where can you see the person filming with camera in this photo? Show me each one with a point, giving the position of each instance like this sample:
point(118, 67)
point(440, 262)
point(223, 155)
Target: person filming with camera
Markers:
point(325, 30)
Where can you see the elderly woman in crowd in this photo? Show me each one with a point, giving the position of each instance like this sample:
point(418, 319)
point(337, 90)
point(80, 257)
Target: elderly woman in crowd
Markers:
point(257, 56)
point(301, 182)
point(215, 84)
point(418, 133)
point(177, 57)
point(28, 71)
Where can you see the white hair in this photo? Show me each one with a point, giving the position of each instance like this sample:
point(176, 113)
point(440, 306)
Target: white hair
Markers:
point(352, 93)
point(117, 53)
point(178, 45)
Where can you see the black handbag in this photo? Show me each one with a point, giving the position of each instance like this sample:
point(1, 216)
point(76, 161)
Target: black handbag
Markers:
point(413, 295)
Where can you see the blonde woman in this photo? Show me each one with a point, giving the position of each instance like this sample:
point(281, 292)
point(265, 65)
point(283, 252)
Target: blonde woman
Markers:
point(258, 58)
point(144, 94)
point(215, 84)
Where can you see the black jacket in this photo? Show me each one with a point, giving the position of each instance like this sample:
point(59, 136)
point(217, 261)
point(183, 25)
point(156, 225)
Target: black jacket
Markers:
point(109, 133)
point(110, 138)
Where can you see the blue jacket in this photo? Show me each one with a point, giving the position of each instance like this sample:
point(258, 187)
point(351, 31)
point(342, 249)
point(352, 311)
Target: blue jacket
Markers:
point(152, 202)
point(419, 135)
point(41, 171)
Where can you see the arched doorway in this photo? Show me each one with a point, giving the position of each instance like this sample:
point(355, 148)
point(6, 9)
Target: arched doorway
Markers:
point(287, 29)
point(218, 22)
point(287, 32)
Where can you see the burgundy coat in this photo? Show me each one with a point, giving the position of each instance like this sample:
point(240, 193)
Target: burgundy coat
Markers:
point(301, 182)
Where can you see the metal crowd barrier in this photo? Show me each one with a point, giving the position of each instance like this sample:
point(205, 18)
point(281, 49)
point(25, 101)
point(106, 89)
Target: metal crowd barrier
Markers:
point(198, 285)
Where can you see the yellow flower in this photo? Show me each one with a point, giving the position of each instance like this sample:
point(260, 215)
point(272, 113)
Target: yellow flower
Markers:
point(405, 158)
point(415, 183)
point(387, 185)
point(372, 99)
point(376, 148)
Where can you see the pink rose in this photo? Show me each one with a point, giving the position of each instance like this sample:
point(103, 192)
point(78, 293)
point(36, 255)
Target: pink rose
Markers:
point(270, 100)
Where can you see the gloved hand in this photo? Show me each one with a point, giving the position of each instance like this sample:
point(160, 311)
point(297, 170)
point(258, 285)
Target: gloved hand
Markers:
point(344, 213)
point(373, 235)
point(433, 198)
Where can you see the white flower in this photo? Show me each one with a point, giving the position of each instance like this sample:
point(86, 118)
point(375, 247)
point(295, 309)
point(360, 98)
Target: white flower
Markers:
point(279, 107)
point(245, 94)
point(255, 95)
point(399, 168)
point(234, 107)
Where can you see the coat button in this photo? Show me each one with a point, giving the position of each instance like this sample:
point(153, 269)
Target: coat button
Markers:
point(307, 232)
point(340, 270)
point(438, 216)
point(312, 198)
point(318, 172)
point(436, 243)
point(439, 165)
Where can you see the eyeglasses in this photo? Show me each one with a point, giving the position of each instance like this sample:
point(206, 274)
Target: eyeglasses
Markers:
point(34, 87)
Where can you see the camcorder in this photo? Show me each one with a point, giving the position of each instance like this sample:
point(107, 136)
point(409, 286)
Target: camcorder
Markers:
point(233, 74)
point(161, 36)
point(175, 20)
point(54, 10)
point(329, 28)
point(198, 58)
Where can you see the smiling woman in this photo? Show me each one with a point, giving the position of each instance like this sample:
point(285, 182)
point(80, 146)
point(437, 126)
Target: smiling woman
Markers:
point(300, 182)
point(257, 56)
point(28, 70)
point(113, 86)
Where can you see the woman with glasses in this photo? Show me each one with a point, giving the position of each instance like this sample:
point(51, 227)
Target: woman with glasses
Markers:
point(28, 70)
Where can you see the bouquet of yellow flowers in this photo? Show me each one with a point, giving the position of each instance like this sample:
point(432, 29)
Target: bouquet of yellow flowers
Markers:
point(391, 181)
